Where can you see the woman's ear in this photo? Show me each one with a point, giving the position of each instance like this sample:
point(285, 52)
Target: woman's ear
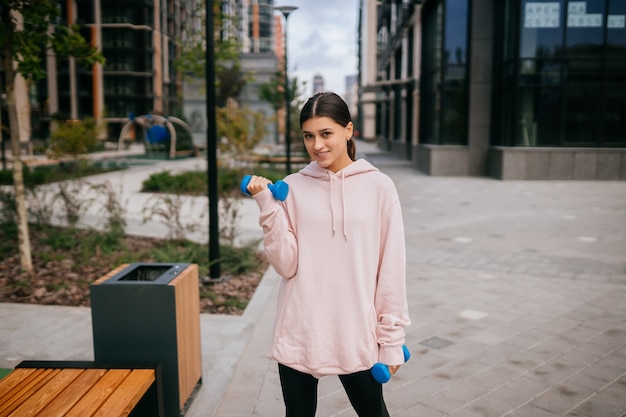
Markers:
point(349, 130)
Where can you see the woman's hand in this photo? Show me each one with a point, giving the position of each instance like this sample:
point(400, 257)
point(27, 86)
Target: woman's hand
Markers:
point(258, 184)
point(393, 369)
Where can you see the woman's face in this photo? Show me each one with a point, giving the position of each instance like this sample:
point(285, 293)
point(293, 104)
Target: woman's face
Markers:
point(326, 141)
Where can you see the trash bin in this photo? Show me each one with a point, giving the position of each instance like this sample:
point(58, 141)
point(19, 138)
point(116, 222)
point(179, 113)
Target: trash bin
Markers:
point(151, 312)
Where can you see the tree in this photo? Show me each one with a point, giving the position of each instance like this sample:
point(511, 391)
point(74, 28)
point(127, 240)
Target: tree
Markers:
point(230, 80)
point(241, 127)
point(26, 33)
point(274, 93)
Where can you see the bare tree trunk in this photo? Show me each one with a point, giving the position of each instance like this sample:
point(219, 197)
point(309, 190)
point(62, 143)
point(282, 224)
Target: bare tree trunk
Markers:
point(23, 236)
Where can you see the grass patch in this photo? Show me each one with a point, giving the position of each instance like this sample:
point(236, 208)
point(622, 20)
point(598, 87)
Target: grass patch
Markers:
point(60, 172)
point(196, 182)
point(4, 372)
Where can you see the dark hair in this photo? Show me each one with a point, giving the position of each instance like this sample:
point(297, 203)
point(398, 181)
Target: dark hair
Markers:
point(329, 104)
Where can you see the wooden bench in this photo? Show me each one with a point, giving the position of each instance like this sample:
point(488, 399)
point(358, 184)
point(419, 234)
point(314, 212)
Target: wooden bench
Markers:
point(82, 389)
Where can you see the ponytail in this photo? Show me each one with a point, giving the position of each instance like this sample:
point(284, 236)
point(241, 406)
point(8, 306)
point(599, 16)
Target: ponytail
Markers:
point(352, 149)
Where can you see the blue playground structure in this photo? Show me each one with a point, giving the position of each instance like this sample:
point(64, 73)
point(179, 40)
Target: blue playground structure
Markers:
point(157, 131)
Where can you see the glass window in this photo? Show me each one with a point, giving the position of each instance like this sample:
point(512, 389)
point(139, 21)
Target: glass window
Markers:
point(411, 48)
point(541, 23)
point(539, 116)
point(585, 28)
point(510, 31)
point(567, 86)
point(616, 28)
point(583, 72)
point(581, 115)
point(615, 72)
point(431, 77)
point(454, 94)
point(456, 32)
point(444, 81)
point(614, 116)
point(397, 112)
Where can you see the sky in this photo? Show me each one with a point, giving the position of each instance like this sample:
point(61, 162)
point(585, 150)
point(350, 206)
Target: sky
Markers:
point(322, 39)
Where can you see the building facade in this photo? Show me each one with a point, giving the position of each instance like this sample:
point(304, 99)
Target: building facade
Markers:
point(513, 89)
point(139, 42)
point(318, 84)
point(262, 58)
point(258, 30)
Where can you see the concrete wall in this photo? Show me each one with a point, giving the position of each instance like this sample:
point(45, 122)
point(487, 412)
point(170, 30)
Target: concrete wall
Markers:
point(443, 160)
point(480, 82)
point(519, 163)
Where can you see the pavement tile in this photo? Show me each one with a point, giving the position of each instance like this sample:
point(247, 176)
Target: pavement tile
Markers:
point(443, 402)
point(418, 410)
point(486, 407)
point(562, 398)
point(494, 377)
point(411, 394)
point(468, 390)
point(586, 381)
point(597, 406)
point(529, 338)
point(495, 353)
point(615, 392)
point(554, 371)
point(335, 403)
point(508, 397)
point(530, 411)
point(529, 387)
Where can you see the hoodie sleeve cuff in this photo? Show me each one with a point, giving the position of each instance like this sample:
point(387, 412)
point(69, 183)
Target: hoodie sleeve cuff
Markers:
point(391, 354)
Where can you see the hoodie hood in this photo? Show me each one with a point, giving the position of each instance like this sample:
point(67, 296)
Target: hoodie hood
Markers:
point(359, 166)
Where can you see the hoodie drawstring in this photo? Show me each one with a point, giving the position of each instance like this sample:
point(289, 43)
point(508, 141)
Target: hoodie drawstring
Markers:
point(343, 203)
point(332, 205)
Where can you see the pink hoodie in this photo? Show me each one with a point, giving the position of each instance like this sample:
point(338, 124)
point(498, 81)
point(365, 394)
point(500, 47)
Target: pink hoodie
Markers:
point(338, 242)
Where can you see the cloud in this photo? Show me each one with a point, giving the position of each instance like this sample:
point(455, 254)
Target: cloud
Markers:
point(322, 38)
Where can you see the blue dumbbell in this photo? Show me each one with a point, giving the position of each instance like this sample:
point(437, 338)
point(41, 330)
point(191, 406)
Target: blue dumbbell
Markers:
point(380, 371)
point(279, 189)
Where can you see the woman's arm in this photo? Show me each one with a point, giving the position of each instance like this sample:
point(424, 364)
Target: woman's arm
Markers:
point(279, 240)
point(391, 302)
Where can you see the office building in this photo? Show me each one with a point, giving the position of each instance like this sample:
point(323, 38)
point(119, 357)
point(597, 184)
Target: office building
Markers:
point(318, 83)
point(513, 89)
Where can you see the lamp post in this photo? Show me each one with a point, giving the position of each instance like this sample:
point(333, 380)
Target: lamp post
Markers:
point(4, 158)
point(214, 244)
point(286, 10)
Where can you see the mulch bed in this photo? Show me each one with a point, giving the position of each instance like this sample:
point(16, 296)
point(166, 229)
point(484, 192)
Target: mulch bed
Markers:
point(58, 280)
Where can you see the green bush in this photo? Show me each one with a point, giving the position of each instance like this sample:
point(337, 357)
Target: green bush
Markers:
point(196, 182)
point(74, 137)
point(66, 170)
point(192, 182)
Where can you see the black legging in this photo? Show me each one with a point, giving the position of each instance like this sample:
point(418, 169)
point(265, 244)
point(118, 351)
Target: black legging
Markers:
point(300, 393)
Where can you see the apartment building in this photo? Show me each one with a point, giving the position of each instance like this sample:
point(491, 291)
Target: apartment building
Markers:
point(140, 41)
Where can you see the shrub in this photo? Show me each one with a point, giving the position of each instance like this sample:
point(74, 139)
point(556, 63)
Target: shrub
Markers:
point(74, 137)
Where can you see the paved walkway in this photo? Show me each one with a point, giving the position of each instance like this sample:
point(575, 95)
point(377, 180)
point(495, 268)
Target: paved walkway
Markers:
point(516, 292)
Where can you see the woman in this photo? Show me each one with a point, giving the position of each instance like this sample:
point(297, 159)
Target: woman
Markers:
point(338, 242)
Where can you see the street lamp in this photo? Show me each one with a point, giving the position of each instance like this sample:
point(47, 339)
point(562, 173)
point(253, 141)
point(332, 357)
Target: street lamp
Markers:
point(214, 244)
point(286, 10)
